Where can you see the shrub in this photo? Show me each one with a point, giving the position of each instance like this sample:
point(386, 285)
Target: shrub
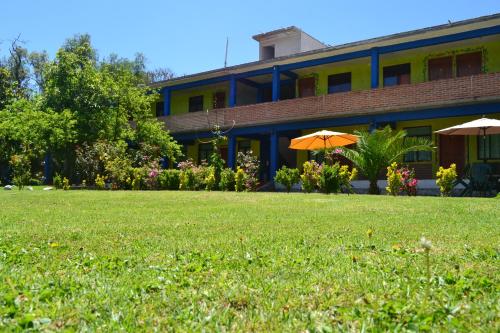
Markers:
point(394, 182)
point(57, 181)
point(287, 177)
point(346, 177)
point(169, 179)
point(446, 179)
point(227, 181)
point(334, 178)
point(310, 176)
point(409, 180)
point(329, 180)
point(138, 178)
point(65, 184)
point(21, 170)
point(187, 180)
point(100, 182)
point(210, 181)
point(240, 179)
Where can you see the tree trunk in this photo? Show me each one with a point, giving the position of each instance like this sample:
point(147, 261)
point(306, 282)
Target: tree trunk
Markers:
point(373, 187)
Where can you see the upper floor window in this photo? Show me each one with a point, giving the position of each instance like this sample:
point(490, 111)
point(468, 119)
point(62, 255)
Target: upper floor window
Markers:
point(219, 100)
point(339, 83)
point(440, 68)
point(396, 75)
point(196, 103)
point(307, 87)
point(488, 147)
point(419, 132)
point(469, 64)
point(159, 109)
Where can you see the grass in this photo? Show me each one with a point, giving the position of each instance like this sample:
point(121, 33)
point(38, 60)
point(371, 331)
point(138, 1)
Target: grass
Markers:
point(192, 261)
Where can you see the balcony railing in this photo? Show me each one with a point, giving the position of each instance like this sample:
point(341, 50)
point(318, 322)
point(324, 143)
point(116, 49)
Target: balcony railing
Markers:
point(456, 91)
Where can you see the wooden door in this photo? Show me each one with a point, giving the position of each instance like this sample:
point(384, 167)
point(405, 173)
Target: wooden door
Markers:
point(440, 68)
point(220, 100)
point(452, 150)
point(307, 87)
point(469, 64)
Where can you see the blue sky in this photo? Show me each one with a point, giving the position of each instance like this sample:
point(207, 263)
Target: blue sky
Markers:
point(189, 36)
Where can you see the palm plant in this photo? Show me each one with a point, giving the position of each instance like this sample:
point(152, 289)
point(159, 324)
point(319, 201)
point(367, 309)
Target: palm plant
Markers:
point(376, 150)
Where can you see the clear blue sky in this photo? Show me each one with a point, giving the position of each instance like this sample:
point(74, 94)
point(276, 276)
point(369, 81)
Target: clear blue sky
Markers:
point(189, 36)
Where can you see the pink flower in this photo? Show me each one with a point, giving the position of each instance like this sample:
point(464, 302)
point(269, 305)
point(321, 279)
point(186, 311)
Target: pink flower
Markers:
point(338, 151)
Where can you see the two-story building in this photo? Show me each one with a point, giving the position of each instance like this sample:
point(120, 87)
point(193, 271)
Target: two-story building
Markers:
point(420, 81)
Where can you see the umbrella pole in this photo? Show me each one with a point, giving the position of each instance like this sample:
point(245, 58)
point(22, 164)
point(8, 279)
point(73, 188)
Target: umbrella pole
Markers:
point(484, 145)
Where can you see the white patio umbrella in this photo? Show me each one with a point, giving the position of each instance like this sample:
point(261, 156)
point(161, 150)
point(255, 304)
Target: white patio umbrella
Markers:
point(483, 126)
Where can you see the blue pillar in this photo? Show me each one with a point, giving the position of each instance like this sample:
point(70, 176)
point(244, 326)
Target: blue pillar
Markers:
point(47, 168)
point(276, 83)
point(374, 67)
point(231, 152)
point(167, 93)
point(373, 126)
point(232, 91)
point(274, 155)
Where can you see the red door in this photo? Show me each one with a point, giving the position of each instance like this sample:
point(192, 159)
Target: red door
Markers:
point(307, 87)
point(452, 150)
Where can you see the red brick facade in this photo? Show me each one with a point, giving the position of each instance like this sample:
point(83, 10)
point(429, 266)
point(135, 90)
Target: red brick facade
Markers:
point(457, 91)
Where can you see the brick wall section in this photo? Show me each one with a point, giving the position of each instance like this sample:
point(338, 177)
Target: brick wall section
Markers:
point(399, 98)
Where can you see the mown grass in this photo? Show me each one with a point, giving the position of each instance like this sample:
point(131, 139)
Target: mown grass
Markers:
point(192, 261)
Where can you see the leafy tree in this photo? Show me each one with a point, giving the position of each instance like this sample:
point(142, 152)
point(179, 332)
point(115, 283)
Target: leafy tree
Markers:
point(6, 88)
point(376, 150)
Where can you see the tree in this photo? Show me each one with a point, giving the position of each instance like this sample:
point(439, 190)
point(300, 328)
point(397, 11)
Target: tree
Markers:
point(376, 150)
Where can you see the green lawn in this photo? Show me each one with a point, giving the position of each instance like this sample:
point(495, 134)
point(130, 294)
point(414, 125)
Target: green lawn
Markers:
point(189, 261)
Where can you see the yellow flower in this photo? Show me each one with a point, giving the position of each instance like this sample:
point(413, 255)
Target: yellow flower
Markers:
point(53, 244)
point(369, 233)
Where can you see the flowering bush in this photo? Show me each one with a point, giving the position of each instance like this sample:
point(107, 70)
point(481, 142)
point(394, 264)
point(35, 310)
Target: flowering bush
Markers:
point(446, 178)
point(401, 180)
point(192, 177)
point(287, 177)
point(227, 181)
point(346, 177)
point(250, 165)
point(310, 176)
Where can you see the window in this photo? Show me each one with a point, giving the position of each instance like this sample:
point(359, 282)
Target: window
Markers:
point(267, 52)
point(469, 64)
point(287, 90)
point(339, 83)
point(440, 68)
point(204, 152)
point(419, 132)
point(219, 100)
point(488, 147)
point(307, 87)
point(396, 75)
point(196, 103)
point(159, 109)
point(244, 146)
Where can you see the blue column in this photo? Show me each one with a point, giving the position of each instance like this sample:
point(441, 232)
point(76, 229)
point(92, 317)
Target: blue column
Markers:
point(231, 152)
point(374, 67)
point(274, 155)
point(276, 83)
point(232, 91)
point(167, 93)
point(47, 168)
point(373, 126)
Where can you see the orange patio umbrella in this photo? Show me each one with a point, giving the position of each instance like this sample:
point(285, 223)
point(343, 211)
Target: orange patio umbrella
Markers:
point(323, 140)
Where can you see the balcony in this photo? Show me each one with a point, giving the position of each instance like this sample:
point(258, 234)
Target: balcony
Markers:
point(456, 91)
